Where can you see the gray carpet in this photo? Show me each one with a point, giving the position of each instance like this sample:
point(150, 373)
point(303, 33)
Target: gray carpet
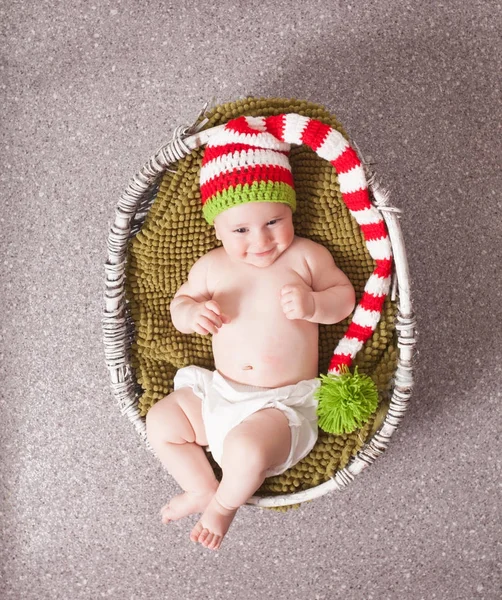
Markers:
point(88, 93)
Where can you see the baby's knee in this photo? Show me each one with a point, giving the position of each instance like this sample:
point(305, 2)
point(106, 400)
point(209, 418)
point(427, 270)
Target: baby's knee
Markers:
point(242, 452)
point(166, 422)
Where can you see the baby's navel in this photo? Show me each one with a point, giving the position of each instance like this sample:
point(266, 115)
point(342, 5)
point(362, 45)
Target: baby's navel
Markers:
point(247, 368)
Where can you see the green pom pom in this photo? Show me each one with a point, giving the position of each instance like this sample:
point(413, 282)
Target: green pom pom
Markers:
point(346, 401)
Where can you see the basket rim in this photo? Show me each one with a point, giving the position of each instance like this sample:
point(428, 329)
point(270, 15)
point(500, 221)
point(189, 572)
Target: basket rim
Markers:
point(118, 327)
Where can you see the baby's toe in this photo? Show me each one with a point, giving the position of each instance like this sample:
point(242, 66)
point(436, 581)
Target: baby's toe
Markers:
point(205, 537)
point(165, 514)
point(194, 535)
point(215, 543)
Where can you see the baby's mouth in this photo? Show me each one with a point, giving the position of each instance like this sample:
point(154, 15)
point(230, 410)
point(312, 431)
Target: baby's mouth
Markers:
point(264, 253)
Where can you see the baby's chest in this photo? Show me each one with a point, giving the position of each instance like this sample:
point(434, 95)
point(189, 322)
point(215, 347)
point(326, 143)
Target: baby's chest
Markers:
point(257, 290)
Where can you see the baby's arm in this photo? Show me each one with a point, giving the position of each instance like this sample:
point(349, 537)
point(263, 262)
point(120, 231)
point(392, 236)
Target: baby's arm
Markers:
point(333, 294)
point(192, 310)
point(331, 297)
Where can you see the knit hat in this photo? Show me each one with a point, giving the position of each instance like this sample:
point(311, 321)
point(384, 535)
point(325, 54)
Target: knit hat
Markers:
point(244, 162)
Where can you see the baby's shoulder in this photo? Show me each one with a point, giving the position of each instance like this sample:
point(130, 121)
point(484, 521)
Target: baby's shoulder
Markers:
point(204, 265)
point(217, 258)
point(210, 258)
point(308, 247)
point(210, 266)
point(312, 254)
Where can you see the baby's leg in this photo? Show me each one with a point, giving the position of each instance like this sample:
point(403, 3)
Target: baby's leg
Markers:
point(260, 442)
point(176, 433)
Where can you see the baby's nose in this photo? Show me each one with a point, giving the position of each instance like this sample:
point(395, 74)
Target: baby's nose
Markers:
point(262, 238)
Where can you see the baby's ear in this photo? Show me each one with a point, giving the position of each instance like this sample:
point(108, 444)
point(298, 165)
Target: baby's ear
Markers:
point(218, 236)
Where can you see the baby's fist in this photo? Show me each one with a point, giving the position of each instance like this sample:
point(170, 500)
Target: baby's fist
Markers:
point(297, 302)
point(208, 318)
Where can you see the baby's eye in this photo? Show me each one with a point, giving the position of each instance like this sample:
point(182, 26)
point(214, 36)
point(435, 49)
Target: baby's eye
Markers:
point(240, 230)
point(273, 222)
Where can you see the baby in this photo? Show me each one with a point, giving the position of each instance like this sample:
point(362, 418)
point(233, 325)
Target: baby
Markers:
point(261, 297)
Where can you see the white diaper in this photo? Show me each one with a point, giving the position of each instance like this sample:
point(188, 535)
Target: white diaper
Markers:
point(225, 404)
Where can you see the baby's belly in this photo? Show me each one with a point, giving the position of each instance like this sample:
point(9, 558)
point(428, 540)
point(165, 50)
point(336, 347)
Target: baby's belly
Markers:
point(267, 352)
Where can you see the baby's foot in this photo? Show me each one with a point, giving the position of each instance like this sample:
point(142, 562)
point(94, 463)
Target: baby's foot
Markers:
point(213, 525)
point(186, 504)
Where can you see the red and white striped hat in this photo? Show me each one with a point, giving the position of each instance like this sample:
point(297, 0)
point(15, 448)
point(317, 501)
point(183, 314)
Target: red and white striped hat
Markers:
point(243, 162)
point(247, 162)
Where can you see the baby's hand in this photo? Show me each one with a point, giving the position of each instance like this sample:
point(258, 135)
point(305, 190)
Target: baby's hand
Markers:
point(208, 318)
point(297, 301)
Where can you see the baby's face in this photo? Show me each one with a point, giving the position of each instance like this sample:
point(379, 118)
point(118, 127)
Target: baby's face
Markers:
point(256, 233)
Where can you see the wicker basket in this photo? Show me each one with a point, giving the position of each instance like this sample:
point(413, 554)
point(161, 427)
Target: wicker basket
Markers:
point(119, 329)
